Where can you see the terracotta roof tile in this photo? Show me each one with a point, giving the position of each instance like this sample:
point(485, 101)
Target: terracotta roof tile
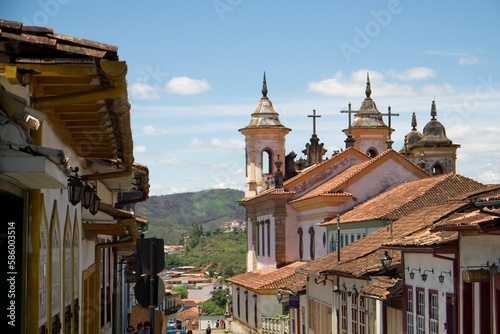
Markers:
point(382, 286)
point(465, 220)
point(290, 184)
point(424, 238)
point(363, 256)
point(269, 278)
point(190, 313)
point(408, 197)
point(333, 159)
point(331, 186)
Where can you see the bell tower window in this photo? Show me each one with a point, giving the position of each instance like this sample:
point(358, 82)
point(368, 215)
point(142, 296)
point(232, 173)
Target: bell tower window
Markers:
point(437, 169)
point(266, 162)
point(372, 152)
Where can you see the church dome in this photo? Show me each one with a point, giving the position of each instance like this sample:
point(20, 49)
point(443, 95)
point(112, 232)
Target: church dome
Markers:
point(368, 115)
point(434, 133)
point(414, 136)
point(264, 116)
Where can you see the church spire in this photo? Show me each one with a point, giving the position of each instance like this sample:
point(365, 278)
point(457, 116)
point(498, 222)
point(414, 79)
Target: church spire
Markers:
point(433, 110)
point(264, 86)
point(368, 90)
point(414, 121)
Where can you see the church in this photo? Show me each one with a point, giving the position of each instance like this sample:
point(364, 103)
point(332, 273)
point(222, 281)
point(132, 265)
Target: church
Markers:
point(322, 233)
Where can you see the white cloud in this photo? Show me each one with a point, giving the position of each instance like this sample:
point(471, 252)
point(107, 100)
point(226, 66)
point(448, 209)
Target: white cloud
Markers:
point(416, 73)
point(354, 86)
point(438, 90)
point(490, 177)
point(187, 86)
point(171, 162)
point(140, 149)
point(142, 91)
point(217, 143)
point(196, 143)
point(150, 130)
point(468, 61)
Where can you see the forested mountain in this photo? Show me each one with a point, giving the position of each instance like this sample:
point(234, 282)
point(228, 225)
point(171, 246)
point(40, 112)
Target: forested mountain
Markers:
point(170, 217)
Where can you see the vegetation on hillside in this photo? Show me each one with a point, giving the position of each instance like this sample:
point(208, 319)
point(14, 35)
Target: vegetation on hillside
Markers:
point(216, 305)
point(225, 252)
point(170, 217)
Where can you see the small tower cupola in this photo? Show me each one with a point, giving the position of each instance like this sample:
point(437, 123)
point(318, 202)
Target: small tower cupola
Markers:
point(368, 131)
point(264, 142)
point(434, 151)
point(413, 137)
point(434, 133)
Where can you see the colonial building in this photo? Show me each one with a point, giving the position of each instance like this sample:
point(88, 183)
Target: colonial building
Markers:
point(364, 296)
point(341, 218)
point(65, 131)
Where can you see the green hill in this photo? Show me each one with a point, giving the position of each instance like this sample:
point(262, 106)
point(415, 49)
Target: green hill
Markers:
point(225, 253)
point(170, 217)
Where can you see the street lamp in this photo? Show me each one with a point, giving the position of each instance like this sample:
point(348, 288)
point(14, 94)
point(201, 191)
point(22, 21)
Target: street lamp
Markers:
point(386, 260)
point(279, 296)
point(86, 194)
point(75, 187)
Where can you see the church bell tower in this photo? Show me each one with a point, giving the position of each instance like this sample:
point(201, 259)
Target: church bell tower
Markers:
point(264, 145)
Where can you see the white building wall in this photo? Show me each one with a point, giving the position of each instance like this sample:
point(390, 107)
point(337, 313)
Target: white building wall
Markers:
point(425, 262)
point(479, 251)
point(264, 260)
point(387, 176)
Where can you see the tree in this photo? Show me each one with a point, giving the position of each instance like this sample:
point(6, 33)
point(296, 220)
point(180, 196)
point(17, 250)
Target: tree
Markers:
point(182, 289)
point(219, 297)
point(211, 308)
point(195, 235)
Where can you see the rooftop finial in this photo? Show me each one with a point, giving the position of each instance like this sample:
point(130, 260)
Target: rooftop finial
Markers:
point(433, 110)
point(368, 90)
point(264, 86)
point(414, 121)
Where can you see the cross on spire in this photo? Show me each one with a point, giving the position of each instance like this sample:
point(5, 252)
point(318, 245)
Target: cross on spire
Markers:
point(350, 112)
point(390, 115)
point(349, 141)
point(314, 116)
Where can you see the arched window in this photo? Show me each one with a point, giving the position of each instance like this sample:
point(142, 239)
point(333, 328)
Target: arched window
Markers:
point(55, 261)
point(312, 247)
point(437, 169)
point(238, 301)
point(246, 306)
point(257, 237)
point(266, 162)
point(301, 243)
point(263, 239)
point(372, 152)
point(76, 275)
point(43, 275)
point(67, 293)
point(268, 228)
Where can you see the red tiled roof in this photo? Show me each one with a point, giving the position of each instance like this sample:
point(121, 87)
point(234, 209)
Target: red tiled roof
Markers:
point(382, 286)
point(269, 278)
point(288, 184)
point(190, 313)
point(423, 238)
point(466, 220)
point(408, 197)
point(332, 186)
point(332, 160)
point(363, 256)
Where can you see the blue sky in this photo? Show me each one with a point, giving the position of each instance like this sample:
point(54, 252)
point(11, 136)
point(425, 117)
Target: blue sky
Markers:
point(196, 67)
